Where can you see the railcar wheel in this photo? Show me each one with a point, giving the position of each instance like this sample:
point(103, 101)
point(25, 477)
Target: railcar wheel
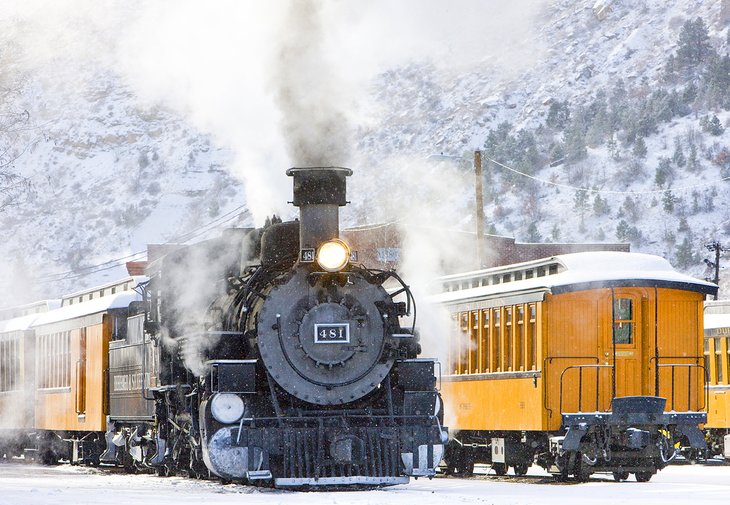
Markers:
point(643, 476)
point(620, 476)
point(521, 469)
point(582, 474)
point(499, 468)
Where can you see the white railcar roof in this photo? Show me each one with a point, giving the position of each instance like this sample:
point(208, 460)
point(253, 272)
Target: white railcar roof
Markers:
point(96, 306)
point(24, 322)
point(21, 323)
point(570, 272)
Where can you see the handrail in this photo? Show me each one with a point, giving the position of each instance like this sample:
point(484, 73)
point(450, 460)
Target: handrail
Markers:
point(580, 383)
point(549, 359)
point(689, 366)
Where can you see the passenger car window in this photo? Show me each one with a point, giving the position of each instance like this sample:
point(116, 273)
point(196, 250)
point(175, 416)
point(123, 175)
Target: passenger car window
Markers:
point(623, 321)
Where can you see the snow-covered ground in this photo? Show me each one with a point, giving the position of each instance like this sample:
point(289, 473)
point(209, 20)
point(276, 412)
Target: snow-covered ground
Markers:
point(29, 484)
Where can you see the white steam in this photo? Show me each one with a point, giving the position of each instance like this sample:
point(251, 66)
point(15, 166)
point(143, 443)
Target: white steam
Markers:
point(281, 83)
point(433, 199)
point(286, 83)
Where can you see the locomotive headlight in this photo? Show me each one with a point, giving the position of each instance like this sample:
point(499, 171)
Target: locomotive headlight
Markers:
point(226, 408)
point(333, 256)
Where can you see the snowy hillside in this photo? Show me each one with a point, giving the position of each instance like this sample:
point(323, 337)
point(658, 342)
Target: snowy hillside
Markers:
point(113, 166)
point(588, 47)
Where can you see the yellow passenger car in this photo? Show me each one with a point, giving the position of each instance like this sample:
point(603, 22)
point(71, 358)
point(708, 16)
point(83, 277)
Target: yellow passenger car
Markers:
point(582, 363)
point(717, 363)
point(71, 370)
point(17, 374)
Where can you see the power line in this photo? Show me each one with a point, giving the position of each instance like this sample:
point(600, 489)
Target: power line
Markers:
point(117, 262)
point(607, 191)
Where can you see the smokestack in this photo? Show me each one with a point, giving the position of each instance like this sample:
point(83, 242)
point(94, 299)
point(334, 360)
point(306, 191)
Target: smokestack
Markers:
point(319, 192)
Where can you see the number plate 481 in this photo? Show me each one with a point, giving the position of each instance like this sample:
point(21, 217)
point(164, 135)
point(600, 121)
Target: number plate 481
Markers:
point(332, 333)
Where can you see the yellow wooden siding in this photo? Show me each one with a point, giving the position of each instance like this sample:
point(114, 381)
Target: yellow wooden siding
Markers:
point(505, 404)
point(56, 409)
point(572, 331)
point(680, 338)
point(717, 352)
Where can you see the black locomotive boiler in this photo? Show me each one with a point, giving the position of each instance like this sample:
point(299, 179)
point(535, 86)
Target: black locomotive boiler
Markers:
point(272, 355)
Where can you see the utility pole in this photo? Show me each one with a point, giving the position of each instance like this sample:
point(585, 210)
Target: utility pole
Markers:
point(479, 208)
point(717, 248)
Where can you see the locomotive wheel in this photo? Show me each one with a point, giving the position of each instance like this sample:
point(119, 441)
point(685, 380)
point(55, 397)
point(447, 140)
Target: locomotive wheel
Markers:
point(466, 467)
point(643, 476)
point(499, 468)
point(521, 469)
point(167, 468)
point(620, 476)
point(49, 457)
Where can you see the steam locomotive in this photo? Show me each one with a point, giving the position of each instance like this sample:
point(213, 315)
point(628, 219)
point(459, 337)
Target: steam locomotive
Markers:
point(267, 355)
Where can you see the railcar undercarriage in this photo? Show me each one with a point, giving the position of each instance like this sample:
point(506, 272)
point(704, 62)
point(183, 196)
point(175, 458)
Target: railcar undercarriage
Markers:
point(637, 437)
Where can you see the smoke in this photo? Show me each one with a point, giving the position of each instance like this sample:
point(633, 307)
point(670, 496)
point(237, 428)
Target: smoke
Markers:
point(309, 91)
point(432, 200)
point(280, 83)
point(283, 84)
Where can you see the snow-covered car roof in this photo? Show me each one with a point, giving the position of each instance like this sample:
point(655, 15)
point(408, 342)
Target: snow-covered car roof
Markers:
point(570, 272)
point(96, 306)
point(21, 323)
point(24, 322)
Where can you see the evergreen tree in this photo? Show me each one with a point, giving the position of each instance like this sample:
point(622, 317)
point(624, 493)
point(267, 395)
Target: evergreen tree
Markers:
point(693, 163)
point(580, 201)
point(689, 94)
point(670, 69)
point(678, 156)
point(717, 81)
point(558, 115)
point(640, 148)
point(599, 124)
point(618, 104)
point(630, 208)
point(556, 153)
point(685, 255)
point(533, 235)
point(664, 172)
point(712, 125)
point(555, 233)
point(613, 149)
point(695, 202)
point(694, 43)
point(600, 206)
point(622, 231)
point(668, 202)
point(575, 140)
